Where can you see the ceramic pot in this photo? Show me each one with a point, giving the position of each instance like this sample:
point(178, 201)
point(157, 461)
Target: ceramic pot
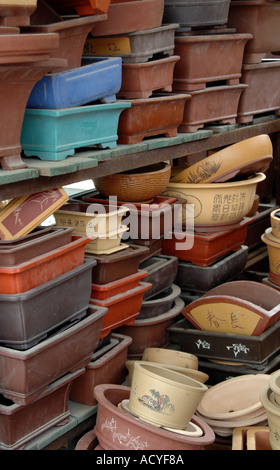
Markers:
point(273, 247)
point(39, 366)
point(217, 205)
point(117, 429)
point(130, 16)
point(151, 116)
point(259, 223)
point(244, 306)
point(151, 332)
point(246, 157)
point(251, 438)
point(274, 386)
point(254, 100)
point(170, 356)
point(14, 13)
point(213, 104)
point(163, 397)
point(259, 18)
point(273, 415)
point(117, 287)
point(161, 271)
point(275, 222)
point(198, 65)
point(160, 303)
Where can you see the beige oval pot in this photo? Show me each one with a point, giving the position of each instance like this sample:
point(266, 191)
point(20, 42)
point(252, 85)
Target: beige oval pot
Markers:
point(163, 397)
point(273, 416)
point(274, 384)
point(170, 356)
point(273, 249)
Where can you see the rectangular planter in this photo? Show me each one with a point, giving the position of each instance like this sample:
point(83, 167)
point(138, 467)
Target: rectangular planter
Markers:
point(107, 243)
point(25, 374)
point(213, 104)
point(19, 424)
point(198, 64)
point(109, 367)
point(43, 268)
point(97, 79)
point(40, 241)
point(135, 47)
point(27, 318)
point(104, 291)
point(262, 94)
point(122, 308)
point(55, 134)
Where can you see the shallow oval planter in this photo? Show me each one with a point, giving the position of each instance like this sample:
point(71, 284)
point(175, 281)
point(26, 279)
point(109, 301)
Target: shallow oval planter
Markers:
point(273, 416)
point(163, 397)
point(160, 303)
point(275, 222)
point(170, 356)
point(217, 204)
point(198, 65)
point(119, 430)
point(273, 249)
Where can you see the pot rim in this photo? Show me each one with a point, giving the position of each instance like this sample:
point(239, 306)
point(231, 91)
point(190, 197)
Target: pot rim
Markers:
point(178, 307)
point(273, 382)
point(226, 185)
point(178, 369)
point(267, 404)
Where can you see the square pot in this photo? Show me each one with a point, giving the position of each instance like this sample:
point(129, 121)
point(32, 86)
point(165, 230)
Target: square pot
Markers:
point(25, 374)
point(97, 79)
point(55, 134)
point(109, 367)
point(27, 318)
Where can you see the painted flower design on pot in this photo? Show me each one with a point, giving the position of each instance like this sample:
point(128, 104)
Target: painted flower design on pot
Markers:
point(158, 402)
point(204, 171)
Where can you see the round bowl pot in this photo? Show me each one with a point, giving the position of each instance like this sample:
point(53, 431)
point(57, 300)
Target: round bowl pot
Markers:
point(170, 356)
point(164, 397)
point(275, 223)
point(217, 204)
point(274, 385)
point(194, 374)
point(136, 185)
point(273, 249)
point(273, 416)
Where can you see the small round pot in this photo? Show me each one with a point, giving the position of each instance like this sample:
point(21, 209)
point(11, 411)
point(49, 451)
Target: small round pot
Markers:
point(273, 416)
point(163, 397)
point(274, 384)
point(275, 223)
point(194, 374)
point(273, 249)
point(170, 356)
point(216, 205)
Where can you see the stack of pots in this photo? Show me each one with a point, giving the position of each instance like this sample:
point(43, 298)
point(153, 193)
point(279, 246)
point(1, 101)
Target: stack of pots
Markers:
point(271, 237)
point(270, 399)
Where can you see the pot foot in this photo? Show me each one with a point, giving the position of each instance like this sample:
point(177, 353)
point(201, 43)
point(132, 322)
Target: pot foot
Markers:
point(12, 162)
point(49, 156)
point(109, 99)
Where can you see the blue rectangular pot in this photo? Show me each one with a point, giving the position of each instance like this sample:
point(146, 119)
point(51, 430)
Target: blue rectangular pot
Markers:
point(52, 134)
point(97, 79)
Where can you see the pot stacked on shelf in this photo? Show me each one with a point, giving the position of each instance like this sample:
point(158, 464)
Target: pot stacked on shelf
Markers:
point(271, 238)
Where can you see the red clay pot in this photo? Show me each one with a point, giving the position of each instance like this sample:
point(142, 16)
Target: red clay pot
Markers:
point(15, 13)
point(82, 7)
point(104, 291)
point(198, 64)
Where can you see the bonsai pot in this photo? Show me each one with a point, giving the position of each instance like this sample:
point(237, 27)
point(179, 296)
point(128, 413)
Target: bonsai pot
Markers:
point(274, 386)
point(104, 291)
point(251, 438)
point(255, 99)
point(21, 423)
point(198, 64)
point(107, 367)
point(273, 414)
point(159, 303)
point(117, 429)
point(151, 332)
point(157, 115)
point(129, 16)
point(15, 13)
point(213, 104)
point(82, 7)
point(162, 396)
point(107, 243)
point(259, 223)
point(275, 222)
point(26, 374)
point(273, 247)
point(161, 271)
point(96, 79)
point(170, 356)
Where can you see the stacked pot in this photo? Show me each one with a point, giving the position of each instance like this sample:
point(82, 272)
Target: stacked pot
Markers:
point(270, 399)
point(271, 238)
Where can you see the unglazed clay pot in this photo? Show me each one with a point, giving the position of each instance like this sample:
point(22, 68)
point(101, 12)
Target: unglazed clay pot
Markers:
point(273, 248)
point(82, 7)
point(275, 222)
point(170, 356)
point(251, 438)
point(164, 397)
point(16, 13)
point(274, 385)
point(273, 415)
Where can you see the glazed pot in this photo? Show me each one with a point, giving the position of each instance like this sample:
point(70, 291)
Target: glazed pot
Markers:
point(117, 429)
point(213, 104)
point(259, 18)
point(274, 385)
point(254, 100)
point(160, 303)
point(151, 332)
point(273, 415)
point(170, 356)
point(152, 116)
point(162, 396)
point(217, 205)
point(273, 247)
point(15, 13)
point(198, 65)
point(130, 16)
point(39, 366)
point(107, 367)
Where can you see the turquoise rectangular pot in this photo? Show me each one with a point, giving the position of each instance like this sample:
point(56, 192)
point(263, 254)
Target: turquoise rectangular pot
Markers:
point(52, 134)
point(97, 79)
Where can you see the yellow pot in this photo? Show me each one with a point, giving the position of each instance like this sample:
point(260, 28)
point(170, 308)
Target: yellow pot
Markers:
point(275, 222)
point(170, 356)
point(273, 249)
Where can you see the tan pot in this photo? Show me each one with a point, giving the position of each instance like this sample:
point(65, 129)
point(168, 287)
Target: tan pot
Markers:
point(275, 223)
point(170, 356)
point(163, 397)
point(273, 416)
point(273, 249)
point(274, 385)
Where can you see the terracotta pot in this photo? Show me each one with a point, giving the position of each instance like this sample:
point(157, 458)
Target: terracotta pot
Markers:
point(37, 367)
point(21, 423)
point(161, 271)
point(198, 111)
point(204, 249)
point(151, 332)
point(123, 284)
point(162, 396)
point(151, 116)
point(198, 65)
point(259, 223)
point(117, 429)
point(14, 13)
point(259, 18)
point(82, 7)
point(273, 247)
point(154, 247)
point(273, 414)
point(215, 204)
point(142, 79)
point(275, 222)
point(109, 367)
point(170, 356)
point(129, 16)
point(254, 100)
